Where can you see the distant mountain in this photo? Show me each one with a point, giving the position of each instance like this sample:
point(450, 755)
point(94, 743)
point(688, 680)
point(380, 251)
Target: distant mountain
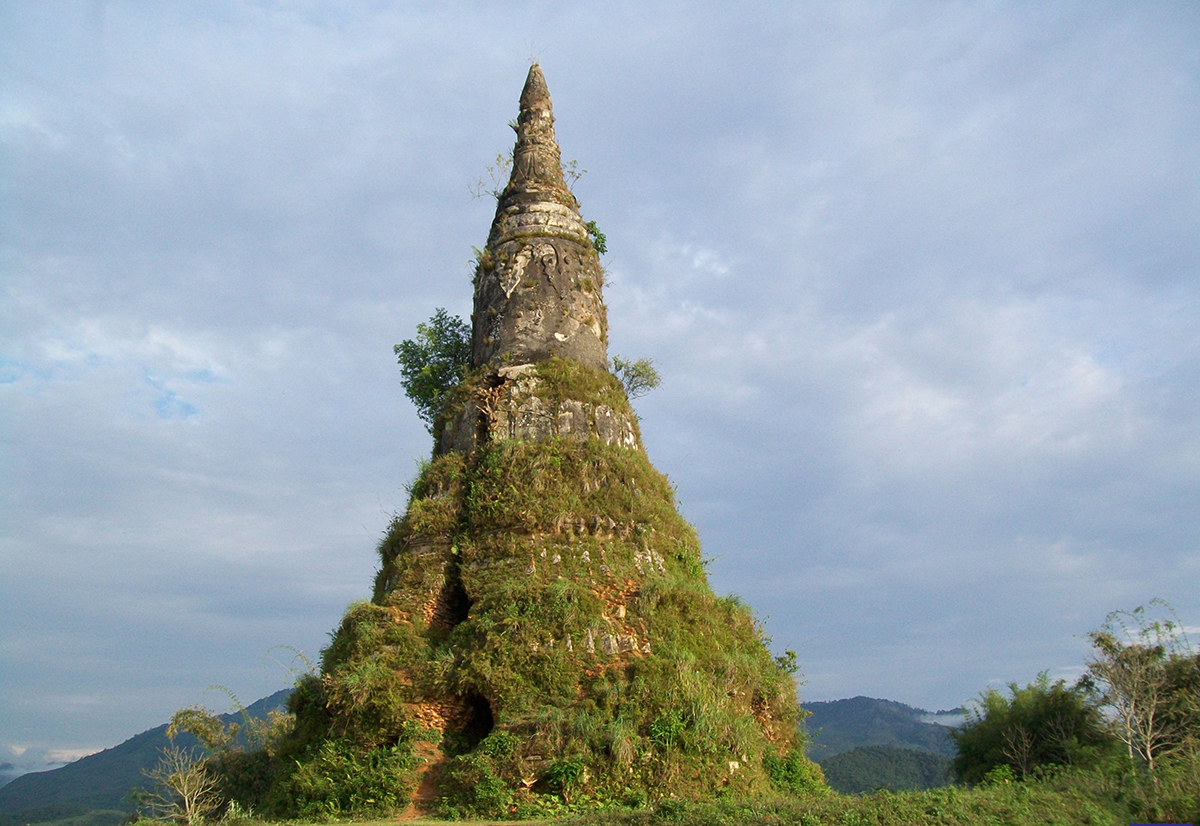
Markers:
point(838, 726)
point(103, 780)
point(870, 768)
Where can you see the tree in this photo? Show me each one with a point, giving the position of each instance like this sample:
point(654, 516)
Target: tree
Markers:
point(1149, 677)
point(637, 377)
point(185, 789)
point(236, 758)
point(1042, 724)
point(434, 362)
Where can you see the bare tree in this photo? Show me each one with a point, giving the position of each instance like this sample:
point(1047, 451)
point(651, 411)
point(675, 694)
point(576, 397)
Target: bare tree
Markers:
point(184, 790)
point(1133, 662)
point(1018, 748)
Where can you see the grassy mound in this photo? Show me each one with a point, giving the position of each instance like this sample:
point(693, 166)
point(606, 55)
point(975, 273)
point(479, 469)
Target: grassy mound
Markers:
point(541, 638)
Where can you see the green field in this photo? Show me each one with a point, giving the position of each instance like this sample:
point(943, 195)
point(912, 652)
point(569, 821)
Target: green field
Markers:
point(1063, 801)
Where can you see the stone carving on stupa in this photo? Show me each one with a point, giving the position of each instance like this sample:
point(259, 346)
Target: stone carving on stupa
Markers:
point(538, 296)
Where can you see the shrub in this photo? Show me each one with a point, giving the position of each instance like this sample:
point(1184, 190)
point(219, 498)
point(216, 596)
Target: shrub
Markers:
point(1042, 724)
point(473, 786)
point(599, 242)
point(637, 376)
point(795, 774)
point(566, 775)
point(340, 779)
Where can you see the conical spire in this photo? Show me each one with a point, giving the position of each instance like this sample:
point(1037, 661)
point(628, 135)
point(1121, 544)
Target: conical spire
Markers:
point(537, 289)
point(537, 161)
point(536, 198)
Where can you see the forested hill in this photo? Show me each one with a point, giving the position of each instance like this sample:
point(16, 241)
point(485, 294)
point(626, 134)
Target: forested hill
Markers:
point(104, 780)
point(838, 726)
point(870, 768)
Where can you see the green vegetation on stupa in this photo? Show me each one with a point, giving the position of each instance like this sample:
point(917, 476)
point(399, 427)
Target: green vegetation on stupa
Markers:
point(574, 649)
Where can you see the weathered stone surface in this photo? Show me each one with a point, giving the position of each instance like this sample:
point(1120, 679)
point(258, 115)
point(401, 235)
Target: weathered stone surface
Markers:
point(647, 561)
point(437, 714)
point(538, 284)
point(516, 371)
point(573, 419)
point(461, 434)
point(533, 421)
point(517, 408)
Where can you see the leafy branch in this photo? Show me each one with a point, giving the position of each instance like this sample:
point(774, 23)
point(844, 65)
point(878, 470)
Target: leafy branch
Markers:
point(638, 377)
point(433, 363)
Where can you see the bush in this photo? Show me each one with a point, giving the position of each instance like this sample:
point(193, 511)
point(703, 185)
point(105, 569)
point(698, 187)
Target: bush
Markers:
point(566, 775)
point(473, 786)
point(1044, 724)
point(637, 376)
point(599, 241)
point(340, 779)
point(795, 774)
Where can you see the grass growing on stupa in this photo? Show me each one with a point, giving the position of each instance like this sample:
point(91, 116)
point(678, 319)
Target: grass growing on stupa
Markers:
point(577, 646)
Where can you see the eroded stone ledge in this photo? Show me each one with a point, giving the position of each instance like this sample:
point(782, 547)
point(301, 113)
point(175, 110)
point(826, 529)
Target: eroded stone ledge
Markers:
point(518, 408)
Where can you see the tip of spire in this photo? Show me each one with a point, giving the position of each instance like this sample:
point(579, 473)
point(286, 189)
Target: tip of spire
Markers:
point(537, 165)
point(535, 95)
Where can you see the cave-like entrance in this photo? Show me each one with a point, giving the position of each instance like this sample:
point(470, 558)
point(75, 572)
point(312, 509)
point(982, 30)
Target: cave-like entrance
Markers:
point(453, 604)
point(478, 722)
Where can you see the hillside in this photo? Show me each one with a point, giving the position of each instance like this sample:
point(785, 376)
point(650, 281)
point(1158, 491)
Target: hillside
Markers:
point(66, 814)
point(104, 780)
point(870, 768)
point(838, 726)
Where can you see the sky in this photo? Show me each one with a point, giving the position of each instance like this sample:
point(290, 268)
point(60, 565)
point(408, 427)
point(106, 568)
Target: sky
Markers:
point(922, 281)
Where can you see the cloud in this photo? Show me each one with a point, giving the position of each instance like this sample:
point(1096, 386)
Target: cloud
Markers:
point(919, 282)
point(58, 757)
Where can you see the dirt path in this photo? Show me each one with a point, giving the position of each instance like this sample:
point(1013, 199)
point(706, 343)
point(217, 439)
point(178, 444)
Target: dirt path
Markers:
point(431, 772)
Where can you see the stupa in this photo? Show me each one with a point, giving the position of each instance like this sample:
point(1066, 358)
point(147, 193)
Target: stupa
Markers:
point(541, 634)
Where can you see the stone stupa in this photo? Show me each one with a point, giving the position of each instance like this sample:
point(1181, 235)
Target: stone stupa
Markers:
point(542, 634)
